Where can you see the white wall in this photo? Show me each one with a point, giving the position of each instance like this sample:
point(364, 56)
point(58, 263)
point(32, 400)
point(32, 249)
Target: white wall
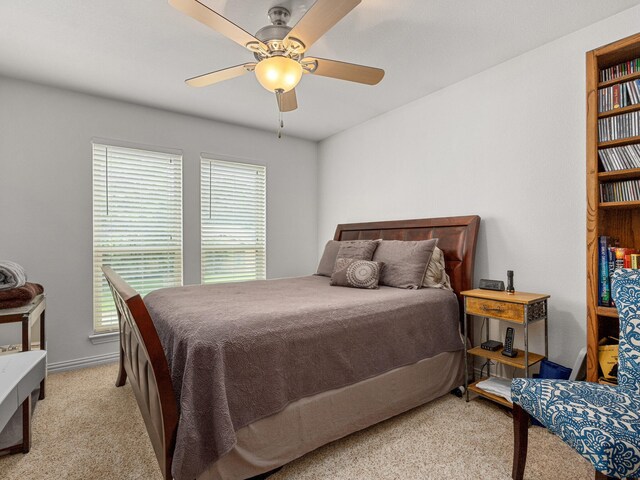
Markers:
point(507, 144)
point(45, 194)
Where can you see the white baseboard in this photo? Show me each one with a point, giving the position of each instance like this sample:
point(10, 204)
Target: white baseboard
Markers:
point(83, 362)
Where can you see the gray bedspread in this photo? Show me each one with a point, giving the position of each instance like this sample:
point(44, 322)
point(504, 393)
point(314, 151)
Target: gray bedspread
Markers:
point(243, 351)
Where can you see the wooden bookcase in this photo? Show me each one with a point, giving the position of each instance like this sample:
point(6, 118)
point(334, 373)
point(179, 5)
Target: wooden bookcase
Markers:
point(616, 219)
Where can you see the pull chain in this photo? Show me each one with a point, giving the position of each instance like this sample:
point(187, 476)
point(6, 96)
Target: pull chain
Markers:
point(280, 121)
point(280, 125)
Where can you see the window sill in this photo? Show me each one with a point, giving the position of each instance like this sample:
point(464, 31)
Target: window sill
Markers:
point(98, 338)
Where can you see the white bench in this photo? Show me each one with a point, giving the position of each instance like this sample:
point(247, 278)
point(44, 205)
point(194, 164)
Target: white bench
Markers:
point(20, 374)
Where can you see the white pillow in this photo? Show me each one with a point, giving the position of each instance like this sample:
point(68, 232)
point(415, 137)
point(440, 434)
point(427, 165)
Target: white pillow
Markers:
point(436, 276)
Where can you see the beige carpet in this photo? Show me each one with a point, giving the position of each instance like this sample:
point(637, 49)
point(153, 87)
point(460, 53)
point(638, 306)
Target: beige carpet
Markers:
point(89, 429)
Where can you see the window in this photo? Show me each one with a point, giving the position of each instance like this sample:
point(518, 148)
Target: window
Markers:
point(233, 223)
point(137, 224)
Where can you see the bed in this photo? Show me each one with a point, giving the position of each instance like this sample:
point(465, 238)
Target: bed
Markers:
point(236, 380)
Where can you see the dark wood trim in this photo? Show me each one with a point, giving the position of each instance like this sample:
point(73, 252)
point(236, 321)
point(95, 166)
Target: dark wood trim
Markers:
point(601, 476)
point(43, 346)
point(520, 441)
point(25, 445)
point(141, 349)
point(122, 373)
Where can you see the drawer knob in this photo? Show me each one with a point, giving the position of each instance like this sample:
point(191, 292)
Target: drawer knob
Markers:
point(489, 309)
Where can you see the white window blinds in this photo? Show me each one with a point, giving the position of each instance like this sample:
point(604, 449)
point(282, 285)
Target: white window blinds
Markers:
point(233, 223)
point(137, 223)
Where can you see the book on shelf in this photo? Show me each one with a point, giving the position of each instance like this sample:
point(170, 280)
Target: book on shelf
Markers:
point(612, 257)
point(621, 126)
point(619, 95)
point(623, 257)
point(604, 283)
point(620, 158)
point(620, 70)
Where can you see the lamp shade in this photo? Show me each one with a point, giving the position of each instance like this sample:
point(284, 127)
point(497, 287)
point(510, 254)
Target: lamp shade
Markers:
point(278, 73)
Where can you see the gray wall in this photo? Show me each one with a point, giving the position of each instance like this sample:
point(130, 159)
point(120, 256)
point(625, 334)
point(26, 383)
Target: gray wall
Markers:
point(46, 203)
point(507, 144)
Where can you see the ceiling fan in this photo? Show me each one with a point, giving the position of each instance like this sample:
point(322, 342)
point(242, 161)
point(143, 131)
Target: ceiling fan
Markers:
point(279, 49)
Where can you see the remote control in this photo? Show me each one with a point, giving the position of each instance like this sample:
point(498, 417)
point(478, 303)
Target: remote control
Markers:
point(509, 351)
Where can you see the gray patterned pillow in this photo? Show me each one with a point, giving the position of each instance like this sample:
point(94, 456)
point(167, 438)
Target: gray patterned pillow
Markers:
point(350, 272)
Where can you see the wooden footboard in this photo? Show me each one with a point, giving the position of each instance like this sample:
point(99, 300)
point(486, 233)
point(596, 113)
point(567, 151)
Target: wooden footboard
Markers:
point(143, 361)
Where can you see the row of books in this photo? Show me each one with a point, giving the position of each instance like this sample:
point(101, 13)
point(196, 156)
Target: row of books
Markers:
point(620, 126)
point(620, 70)
point(620, 158)
point(623, 191)
point(618, 96)
point(611, 257)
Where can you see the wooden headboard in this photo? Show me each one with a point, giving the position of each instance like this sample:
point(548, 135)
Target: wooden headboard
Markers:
point(457, 239)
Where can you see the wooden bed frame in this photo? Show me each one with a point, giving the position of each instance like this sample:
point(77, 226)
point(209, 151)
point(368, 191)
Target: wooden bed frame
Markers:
point(142, 358)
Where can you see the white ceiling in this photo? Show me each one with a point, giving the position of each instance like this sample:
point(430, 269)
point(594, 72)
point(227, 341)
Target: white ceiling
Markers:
point(142, 50)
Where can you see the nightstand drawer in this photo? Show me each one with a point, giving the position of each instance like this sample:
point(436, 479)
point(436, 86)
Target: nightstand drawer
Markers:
point(491, 308)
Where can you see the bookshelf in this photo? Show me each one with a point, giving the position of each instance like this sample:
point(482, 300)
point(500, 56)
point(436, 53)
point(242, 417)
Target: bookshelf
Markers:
point(618, 219)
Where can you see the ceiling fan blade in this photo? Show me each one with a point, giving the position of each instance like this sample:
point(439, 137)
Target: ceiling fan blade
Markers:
point(322, 15)
point(210, 18)
point(219, 75)
point(287, 101)
point(346, 71)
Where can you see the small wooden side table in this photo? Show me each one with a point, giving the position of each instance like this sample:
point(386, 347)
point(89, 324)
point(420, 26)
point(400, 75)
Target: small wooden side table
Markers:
point(28, 315)
point(521, 308)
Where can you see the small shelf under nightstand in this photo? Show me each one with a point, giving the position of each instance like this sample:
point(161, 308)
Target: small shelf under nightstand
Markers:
point(496, 356)
point(496, 398)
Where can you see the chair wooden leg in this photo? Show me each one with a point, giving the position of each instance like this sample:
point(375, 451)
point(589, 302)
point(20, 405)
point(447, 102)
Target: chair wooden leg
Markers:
point(122, 374)
point(520, 441)
point(601, 476)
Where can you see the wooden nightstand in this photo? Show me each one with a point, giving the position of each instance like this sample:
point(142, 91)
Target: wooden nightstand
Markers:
point(520, 308)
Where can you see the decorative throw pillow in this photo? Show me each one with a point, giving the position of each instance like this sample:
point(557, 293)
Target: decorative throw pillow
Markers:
point(355, 273)
point(360, 249)
point(357, 249)
point(436, 275)
point(405, 262)
point(328, 260)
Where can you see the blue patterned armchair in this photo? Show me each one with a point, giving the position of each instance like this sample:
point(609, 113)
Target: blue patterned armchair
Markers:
point(600, 422)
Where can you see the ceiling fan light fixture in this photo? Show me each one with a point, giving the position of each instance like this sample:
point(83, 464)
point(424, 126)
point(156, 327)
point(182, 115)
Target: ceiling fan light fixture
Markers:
point(278, 73)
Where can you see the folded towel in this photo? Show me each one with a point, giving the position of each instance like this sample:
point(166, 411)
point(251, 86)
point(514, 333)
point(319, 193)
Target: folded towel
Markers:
point(11, 275)
point(497, 386)
point(17, 297)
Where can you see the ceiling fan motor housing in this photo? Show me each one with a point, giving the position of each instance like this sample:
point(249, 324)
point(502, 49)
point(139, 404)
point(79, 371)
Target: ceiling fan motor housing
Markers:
point(279, 15)
point(272, 35)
